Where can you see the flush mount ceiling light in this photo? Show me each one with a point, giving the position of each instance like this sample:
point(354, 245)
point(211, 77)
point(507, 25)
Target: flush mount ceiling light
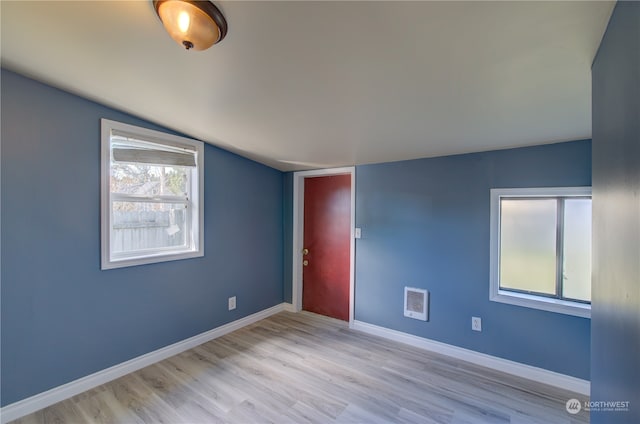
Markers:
point(195, 25)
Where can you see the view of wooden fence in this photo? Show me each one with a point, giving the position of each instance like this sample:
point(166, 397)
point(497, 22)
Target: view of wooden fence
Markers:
point(137, 230)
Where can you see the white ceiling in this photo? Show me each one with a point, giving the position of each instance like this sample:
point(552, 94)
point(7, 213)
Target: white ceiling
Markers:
point(305, 84)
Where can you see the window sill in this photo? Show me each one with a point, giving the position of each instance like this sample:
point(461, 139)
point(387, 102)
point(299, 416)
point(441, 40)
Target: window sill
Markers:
point(542, 303)
point(149, 259)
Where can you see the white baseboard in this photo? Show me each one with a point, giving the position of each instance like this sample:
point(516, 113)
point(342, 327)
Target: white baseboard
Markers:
point(529, 372)
point(42, 400)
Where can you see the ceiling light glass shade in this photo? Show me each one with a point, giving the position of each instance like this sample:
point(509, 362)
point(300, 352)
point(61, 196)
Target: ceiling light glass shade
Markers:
point(195, 25)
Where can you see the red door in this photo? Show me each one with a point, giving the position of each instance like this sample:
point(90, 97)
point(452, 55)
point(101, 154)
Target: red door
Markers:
point(327, 236)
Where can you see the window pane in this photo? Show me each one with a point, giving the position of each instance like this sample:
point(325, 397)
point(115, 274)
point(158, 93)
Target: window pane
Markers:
point(140, 226)
point(576, 272)
point(149, 180)
point(528, 245)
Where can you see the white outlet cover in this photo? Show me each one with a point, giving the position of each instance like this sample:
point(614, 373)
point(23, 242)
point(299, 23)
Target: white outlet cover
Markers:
point(232, 303)
point(476, 324)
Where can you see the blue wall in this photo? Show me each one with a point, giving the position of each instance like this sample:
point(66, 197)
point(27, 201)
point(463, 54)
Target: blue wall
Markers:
point(288, 236)
point(615, 324)
point(425, 223)
point(64, 318)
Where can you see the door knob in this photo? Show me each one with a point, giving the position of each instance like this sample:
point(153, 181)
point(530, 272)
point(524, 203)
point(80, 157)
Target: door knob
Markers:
point(305, 251)
point(305, 262)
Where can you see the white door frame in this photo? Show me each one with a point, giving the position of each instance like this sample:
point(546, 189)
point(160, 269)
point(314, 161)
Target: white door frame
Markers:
point(298, 232)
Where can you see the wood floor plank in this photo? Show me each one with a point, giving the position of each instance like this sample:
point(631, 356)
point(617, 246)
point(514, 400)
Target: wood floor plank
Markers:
point(306, 368)
point(104, 408)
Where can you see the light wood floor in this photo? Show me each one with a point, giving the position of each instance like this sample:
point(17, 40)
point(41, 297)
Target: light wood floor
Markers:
point(299, 368)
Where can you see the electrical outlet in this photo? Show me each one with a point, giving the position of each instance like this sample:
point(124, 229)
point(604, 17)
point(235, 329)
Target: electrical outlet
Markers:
point(476, 324)
point(232, 303)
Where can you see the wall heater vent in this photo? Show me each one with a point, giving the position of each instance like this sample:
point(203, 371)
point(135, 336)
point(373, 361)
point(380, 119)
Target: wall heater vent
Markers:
point(416, 303)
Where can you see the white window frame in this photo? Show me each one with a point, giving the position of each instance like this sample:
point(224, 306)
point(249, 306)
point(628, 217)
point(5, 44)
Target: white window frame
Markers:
point(195, 201)
point(524, 299)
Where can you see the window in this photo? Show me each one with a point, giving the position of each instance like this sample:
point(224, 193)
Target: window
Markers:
point(152, 196)
point(541, 248)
